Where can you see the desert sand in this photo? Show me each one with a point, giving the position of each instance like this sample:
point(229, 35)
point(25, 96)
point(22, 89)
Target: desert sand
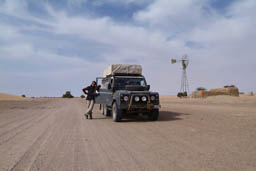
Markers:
point(217, 133)
point(4, 96)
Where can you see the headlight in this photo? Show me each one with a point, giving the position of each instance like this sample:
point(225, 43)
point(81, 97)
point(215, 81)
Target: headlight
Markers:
point(126, 98)
point(153, 98)
point(137, 99)
point(144, 98)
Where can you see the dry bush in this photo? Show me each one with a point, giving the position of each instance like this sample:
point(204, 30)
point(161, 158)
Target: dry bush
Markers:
point(68, 95)
point(201, 89)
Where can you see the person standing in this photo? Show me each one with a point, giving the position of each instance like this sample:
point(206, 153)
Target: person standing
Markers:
point(90, 91)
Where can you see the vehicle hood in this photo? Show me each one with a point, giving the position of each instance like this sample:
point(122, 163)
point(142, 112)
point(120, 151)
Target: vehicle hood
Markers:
point(136, 92)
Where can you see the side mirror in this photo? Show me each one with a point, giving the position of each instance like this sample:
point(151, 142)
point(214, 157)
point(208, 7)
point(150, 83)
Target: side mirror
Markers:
point(148, 87)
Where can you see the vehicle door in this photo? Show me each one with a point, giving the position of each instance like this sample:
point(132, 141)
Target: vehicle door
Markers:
point(105, 94)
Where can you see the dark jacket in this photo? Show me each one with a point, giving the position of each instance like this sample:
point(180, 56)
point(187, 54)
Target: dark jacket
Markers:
point(91, 92)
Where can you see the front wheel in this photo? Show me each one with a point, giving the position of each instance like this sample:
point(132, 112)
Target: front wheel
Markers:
point(116, 113)
point(153, 116)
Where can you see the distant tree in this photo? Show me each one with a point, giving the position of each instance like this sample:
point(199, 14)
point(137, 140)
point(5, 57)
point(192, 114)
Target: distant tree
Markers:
point(181, 94)
point(201, 89)
point(68, 95)
point(227, 86)
point(82, 96)
point(23, 95)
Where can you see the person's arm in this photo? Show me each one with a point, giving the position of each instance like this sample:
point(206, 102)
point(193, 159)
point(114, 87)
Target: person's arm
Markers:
point(85, 90)
point(98, 87)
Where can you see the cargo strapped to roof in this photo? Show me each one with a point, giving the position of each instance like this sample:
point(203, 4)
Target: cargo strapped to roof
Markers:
point(122, 69)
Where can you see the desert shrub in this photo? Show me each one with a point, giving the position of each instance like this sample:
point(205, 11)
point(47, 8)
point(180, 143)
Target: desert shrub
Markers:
point(181, 94)
point(201, 89)
point(227, 86)
point(23, 95)
point(67, 95)
point(82, 96)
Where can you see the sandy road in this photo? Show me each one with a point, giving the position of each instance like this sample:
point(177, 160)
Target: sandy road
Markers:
point(190, 135)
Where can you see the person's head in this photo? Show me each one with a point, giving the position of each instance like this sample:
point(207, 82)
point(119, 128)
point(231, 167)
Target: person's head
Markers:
point(93, 83)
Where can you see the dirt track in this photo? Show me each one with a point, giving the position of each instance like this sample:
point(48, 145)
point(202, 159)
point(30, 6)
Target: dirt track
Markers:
point(190, 135)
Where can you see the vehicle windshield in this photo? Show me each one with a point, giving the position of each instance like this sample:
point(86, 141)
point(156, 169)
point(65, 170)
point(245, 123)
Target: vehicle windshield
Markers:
point(121, 82)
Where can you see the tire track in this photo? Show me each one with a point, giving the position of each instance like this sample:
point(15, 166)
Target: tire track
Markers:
point(20, 114)
point(9, 135)
point(49, 154)
point(32, 156)
point(24, 123)
point(25, 162)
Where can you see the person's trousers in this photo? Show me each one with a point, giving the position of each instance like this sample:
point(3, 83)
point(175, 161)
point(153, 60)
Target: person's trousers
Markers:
point(90, 106)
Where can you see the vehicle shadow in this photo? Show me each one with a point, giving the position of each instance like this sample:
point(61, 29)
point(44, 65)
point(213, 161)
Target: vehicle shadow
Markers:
point(170, 116)
point(163, 117)
point(104, 117)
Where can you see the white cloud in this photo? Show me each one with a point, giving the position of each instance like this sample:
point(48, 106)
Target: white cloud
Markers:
point(14, 7)
point(76, 2)
point(173, 16)
point(8, 32)
point(135, 41)
point(139, 2)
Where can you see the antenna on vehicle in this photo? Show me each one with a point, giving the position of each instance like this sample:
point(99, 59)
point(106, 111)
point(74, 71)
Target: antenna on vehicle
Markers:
point(184, 81)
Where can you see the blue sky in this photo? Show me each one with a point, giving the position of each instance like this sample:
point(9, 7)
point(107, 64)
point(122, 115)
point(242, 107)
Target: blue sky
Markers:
point(50, 46)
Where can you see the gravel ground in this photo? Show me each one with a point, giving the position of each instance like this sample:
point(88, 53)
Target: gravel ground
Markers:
point(53, 134)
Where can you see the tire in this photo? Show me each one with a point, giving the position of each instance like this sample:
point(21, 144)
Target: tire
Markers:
point(107, 111)
point(116, 113)
point(153, 116)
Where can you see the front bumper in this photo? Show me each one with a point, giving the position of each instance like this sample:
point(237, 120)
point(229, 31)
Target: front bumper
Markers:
point(143, 107)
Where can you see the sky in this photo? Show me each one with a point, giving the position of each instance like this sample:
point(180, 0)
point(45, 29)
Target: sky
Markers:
point(48, 47)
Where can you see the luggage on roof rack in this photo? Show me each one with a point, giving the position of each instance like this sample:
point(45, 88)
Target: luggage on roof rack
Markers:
point(122, 69)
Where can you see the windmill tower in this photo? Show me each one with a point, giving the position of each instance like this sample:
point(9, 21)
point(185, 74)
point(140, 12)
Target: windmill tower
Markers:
point(184, 80)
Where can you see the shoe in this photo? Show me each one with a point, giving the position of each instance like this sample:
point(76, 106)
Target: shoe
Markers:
point(86, 116)
point(90, 116)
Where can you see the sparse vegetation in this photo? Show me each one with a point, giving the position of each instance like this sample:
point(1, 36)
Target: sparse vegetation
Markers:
point(181, 94)
point(82, 96)
point(68, 95)
point(201, 89)
point(227, 86)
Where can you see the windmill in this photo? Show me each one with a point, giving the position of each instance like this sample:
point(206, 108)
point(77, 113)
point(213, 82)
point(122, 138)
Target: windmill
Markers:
point(184, 80)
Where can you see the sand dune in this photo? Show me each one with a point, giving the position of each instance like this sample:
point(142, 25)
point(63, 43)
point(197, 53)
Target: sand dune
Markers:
point(4, 96)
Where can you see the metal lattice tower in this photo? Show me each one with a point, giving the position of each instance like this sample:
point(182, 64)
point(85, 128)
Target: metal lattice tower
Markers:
point(184, 80)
